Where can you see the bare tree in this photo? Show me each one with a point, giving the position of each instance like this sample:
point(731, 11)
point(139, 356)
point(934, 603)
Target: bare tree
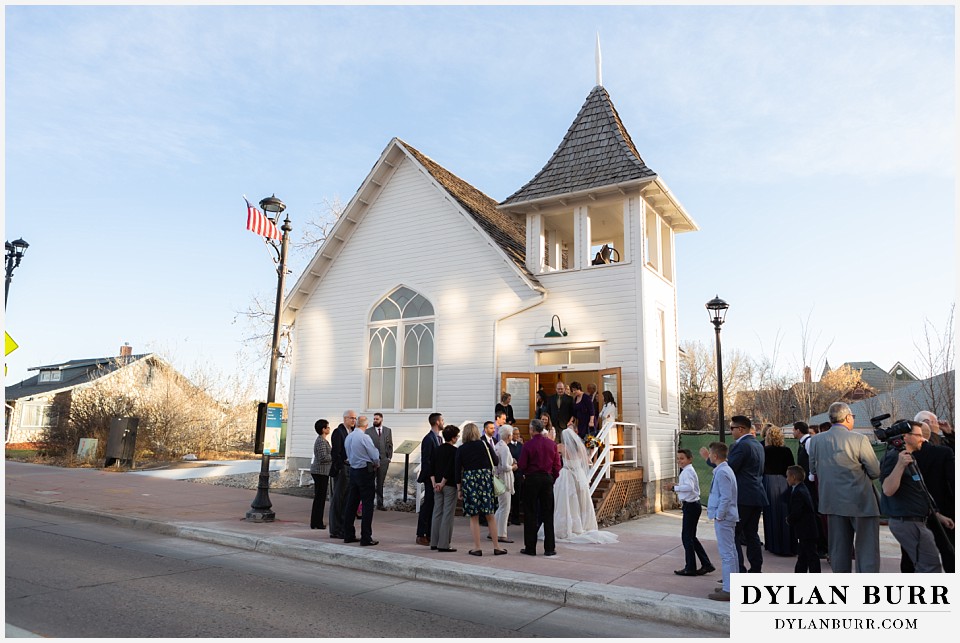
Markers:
point(698, 383)
point(935, 353)
point(258, 315)
point(176, 415)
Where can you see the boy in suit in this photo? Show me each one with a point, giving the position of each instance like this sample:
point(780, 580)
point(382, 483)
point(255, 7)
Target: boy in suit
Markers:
point(803, 521)
point(722, 509)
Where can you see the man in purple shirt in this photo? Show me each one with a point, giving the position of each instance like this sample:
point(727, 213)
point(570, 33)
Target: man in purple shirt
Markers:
point(540, 464)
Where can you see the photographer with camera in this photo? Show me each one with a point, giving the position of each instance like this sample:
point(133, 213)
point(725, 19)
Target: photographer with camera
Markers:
point(905, 499)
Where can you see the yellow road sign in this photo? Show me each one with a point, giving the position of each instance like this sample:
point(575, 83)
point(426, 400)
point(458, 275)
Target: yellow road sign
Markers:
point(8, 344)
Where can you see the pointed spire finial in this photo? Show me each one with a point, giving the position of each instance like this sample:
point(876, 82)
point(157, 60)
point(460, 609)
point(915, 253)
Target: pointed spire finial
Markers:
point(599, 63)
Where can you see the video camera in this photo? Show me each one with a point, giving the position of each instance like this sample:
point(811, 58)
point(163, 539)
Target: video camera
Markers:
point(893, 434)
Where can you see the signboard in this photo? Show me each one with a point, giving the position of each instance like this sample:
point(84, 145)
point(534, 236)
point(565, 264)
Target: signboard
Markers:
point(407, 447)
point(271, 437)
point(87, 448)
point(8, 344)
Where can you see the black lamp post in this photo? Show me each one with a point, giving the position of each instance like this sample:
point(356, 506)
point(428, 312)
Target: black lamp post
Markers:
point(717, 309)
point(260, 510)
point(14, 253)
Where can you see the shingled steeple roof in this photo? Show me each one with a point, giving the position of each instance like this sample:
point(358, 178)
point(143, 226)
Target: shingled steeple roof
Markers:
point(596, 151)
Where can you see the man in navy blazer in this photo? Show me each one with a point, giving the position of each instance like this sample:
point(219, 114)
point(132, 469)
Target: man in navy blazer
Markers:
point(746, 458)
point(430, 442)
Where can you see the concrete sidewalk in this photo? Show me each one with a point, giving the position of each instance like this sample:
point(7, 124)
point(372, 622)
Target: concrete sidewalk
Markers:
point(632, 578)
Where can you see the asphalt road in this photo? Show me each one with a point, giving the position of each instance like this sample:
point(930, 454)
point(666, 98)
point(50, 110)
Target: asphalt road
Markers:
point(69, 577)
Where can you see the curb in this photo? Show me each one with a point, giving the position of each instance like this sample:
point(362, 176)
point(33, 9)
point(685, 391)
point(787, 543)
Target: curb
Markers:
point(621, 601)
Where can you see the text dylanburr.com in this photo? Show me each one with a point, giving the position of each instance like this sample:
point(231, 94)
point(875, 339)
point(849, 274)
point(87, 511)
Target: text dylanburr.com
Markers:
point(853, 607)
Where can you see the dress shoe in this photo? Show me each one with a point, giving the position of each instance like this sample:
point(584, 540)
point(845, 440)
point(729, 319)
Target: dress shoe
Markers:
point(550, 553)
point(339, 536)
point(706, 569)
point(433, 547)
point(499, 552)
point(684, 572)
point(528, 553)
point(719, 595)
point(475, 552)
point(322, 527)
point(347, 541)
point(381, 508)
point(423, 540)
point(369, 543)
point(446, 550)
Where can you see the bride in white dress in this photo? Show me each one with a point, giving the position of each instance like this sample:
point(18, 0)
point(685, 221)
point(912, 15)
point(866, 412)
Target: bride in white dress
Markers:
point(574, 519)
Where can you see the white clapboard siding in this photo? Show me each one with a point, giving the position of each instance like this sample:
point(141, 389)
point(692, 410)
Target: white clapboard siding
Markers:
point(413, 234)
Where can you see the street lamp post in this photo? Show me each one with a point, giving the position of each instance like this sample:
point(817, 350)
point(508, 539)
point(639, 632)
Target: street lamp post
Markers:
point(260, 509)
point(14, 254)
point(717, 309)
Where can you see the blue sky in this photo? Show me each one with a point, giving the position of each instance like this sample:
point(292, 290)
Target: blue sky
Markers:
point(813, 145)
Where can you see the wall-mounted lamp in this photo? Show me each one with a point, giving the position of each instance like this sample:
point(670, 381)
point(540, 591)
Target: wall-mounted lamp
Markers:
point(553, 330)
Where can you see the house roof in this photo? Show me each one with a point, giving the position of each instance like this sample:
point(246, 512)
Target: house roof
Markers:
point(596, 151)
point(507, 235)
point(72, 373)
point(876, 377)
point(904, 402)
point(901, 373)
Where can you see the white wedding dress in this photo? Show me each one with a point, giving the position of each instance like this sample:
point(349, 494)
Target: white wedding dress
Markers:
point(574, 519)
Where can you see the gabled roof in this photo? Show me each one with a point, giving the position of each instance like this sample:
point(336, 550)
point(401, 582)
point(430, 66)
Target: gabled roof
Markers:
point(507, 235)
point(72, 373)
point(901, 373)
point(873, 375)
point(596, 151)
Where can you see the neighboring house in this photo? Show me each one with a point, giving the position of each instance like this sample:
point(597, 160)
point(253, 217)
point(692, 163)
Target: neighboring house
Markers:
point(879, 380)
point(80, 396)
point(428, 295)
point(932, 394)
point(38, 402)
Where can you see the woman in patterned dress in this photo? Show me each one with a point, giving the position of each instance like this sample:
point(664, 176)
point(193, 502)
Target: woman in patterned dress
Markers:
point(474, 466)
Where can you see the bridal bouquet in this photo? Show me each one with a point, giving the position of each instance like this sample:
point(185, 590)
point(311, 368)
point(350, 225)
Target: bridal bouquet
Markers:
point(593, 442)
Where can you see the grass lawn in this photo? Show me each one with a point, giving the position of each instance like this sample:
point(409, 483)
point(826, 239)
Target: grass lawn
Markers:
point(21, 453)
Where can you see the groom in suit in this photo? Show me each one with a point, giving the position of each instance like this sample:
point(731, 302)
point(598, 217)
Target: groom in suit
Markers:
point(382, 438)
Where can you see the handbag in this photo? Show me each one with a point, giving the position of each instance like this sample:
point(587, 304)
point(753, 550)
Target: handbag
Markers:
point(499, 486)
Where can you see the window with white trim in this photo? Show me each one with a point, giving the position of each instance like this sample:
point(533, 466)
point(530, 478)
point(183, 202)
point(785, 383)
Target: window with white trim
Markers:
point(401, 336)
point(50, 376)
point(36, 416)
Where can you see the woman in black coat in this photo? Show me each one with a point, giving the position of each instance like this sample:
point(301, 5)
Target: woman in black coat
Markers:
point(776, 458)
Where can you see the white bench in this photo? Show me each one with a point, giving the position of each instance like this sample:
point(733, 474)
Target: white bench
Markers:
point(305, 470)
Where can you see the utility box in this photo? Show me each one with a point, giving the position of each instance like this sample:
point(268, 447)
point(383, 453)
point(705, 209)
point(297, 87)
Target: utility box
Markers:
point(122, 442)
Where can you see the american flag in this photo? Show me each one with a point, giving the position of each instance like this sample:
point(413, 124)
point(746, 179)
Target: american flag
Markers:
point(258, 223)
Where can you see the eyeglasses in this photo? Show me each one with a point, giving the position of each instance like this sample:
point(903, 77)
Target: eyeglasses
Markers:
point(916, 435)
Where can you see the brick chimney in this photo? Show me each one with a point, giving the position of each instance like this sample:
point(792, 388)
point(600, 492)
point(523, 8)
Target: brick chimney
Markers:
point(126, 350)
point(807, 375)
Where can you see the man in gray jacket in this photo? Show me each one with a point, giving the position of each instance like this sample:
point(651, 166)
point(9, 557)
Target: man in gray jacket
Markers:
point(382, 438)
point(846, 466)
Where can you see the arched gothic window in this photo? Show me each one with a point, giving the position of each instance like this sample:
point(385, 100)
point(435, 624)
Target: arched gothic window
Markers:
point(401, 335)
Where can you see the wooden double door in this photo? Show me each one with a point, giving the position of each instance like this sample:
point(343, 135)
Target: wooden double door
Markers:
point(523, 388)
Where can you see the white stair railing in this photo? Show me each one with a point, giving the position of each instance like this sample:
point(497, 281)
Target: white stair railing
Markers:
point(600, 468)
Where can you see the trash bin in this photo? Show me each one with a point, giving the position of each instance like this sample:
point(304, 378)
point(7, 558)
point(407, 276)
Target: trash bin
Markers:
point(122, 441)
